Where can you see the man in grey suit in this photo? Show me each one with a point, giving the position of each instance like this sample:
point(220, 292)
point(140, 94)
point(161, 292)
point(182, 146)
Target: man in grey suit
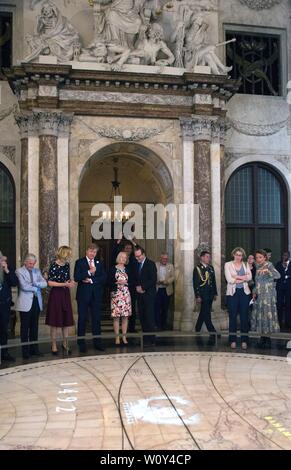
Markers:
point(29, 303)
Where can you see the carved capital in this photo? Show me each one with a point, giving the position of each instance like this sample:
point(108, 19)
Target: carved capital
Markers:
point(202, 128)
point(219, 130)
point(48, 123)
point(187, 128)
point(65, 125)
point(22, 122)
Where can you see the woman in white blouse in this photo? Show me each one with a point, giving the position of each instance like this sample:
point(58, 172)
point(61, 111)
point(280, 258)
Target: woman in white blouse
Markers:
point(238, 275)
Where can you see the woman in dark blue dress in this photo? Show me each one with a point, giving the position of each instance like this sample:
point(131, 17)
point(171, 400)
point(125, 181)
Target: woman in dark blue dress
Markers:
point(59, 309)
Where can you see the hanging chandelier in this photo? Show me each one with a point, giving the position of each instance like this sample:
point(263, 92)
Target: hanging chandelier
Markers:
point(115, 215)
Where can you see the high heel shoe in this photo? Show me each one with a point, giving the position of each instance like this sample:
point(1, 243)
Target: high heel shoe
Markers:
point(124, 341)
point(66, 350)
point(55, 353)
point(117, 341)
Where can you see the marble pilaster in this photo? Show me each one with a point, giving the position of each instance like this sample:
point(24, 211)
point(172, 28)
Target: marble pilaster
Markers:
point(29, 183)
point(188, 198)
point(22, 122)
point(24, 199)
point(63, 179)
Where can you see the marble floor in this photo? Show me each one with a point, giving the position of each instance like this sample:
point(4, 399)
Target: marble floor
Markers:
point(150, 401)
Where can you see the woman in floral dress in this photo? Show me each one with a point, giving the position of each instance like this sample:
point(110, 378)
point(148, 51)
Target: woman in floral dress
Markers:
point(264, 318)
point(120, 297)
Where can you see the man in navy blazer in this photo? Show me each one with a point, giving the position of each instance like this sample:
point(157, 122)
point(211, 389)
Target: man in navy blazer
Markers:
point(91, 277)
point(146, 281)
point(283, 287)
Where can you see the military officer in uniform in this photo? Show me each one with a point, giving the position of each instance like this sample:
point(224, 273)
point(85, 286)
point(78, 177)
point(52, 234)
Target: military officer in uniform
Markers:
point(204, 284)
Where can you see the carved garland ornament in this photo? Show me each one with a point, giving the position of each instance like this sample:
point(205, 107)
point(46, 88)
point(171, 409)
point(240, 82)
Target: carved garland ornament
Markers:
point(260, 4)
point(128, 135)
point(258, 130)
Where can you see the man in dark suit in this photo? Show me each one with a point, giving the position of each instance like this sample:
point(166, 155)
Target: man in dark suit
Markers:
point(91, 277)
point(204, 284)
point(283, 286)
point(8, 279)
point(146, 278)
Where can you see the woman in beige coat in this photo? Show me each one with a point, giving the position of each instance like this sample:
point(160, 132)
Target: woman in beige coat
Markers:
point(238, 275)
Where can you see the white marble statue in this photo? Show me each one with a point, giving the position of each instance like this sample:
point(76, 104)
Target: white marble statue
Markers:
point(53, 35)
point(119, 21)
point(192, 48)
point(150, 46)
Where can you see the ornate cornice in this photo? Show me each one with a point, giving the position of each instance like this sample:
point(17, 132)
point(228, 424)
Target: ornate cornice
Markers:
point(260, 4)
point(102, 93)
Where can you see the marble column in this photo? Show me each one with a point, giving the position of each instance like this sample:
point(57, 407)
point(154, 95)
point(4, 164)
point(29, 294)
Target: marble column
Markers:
point(202, 178)
point(186, 322)
point(218, 225)
point(22, 122)
point(48, 187)
point(63, 179)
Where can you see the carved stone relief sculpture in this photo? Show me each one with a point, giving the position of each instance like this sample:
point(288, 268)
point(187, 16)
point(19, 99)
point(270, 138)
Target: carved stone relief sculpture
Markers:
point(192, 47)
point(53, 35)
point(128, 32)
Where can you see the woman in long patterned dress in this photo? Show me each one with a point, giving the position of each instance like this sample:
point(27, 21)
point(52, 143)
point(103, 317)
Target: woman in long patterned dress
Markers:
point(264, 318)
point(59, 309)
point(120, 297)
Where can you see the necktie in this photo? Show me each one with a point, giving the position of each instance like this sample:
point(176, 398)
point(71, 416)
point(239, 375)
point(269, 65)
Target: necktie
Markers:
point(31, 276)
point(140, 268)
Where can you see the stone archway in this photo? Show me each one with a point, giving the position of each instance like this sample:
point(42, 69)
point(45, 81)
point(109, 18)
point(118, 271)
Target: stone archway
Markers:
point(145, 178)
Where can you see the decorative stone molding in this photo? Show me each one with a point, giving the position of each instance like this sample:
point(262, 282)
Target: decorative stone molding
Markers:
point(9, 152)
point(116, 97)
point(137, 134)
point(258, 130)
point(260, 4)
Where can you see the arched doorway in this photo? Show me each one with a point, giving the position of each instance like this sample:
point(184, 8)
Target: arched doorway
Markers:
point(256, 210)
point(7, 214)
point(144, 179)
